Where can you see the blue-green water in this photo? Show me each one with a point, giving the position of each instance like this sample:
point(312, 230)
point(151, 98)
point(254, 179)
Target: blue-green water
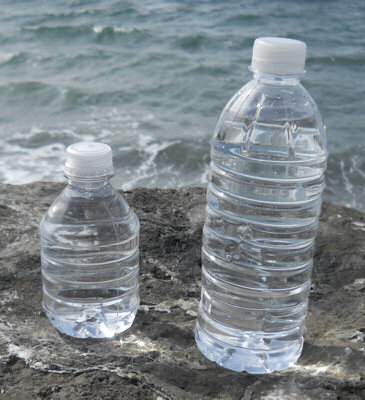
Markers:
point(151, 78)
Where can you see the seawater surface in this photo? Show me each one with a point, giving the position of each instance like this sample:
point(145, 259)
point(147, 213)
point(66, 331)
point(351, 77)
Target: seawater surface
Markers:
point(150, 78)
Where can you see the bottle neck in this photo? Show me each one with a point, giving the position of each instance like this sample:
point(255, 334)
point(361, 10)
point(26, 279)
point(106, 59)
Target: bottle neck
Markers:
point(276, 80)
point(90, 184)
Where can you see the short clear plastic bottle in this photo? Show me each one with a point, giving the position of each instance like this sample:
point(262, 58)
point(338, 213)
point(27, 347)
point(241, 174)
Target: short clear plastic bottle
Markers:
point(89, 250)
point(263, 202)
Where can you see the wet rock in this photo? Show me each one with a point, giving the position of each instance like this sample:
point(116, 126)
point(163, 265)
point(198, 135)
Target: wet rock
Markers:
point(157, 358)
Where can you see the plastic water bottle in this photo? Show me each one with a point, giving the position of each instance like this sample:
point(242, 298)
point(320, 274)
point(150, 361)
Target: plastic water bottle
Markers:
point(263, 201)
point(89, 248)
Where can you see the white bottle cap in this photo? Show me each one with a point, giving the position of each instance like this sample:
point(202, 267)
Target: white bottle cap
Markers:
point(278, 56)
point(87, 160)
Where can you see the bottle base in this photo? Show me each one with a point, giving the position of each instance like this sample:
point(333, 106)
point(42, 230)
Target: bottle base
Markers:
point(245, 359)
point(92, 323)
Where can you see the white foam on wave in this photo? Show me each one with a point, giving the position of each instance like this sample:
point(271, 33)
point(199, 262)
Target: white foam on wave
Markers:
point(19, 165)
point(352, 178)
point(147, 171)
point(22, 162)
point(141, 158)
point(116, 29)
point(157, 165)
point(98, 28)
point(7, 56)
point(346, 180)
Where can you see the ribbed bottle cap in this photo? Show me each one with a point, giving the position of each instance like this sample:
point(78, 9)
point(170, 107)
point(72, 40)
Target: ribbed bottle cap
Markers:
point(278, 56)
point(87, 160)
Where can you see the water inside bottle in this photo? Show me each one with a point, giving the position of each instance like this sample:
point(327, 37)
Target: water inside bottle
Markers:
point(90, 264)
point(263, 203)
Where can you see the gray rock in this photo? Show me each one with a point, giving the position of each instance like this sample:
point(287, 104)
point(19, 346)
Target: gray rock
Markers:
point(157, 358)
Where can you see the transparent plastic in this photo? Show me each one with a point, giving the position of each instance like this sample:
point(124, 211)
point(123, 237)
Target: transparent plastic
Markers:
point(268, 160)
point(89, 248)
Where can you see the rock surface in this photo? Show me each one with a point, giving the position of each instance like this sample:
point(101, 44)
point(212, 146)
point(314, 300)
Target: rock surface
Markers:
point(157, 358)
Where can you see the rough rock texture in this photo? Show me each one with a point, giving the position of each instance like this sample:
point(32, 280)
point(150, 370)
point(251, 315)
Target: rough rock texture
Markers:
point(157, 358)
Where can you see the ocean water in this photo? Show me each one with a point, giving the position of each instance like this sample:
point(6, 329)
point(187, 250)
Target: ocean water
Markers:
point(150, 78)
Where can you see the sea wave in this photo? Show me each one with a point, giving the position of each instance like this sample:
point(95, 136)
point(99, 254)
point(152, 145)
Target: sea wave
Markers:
point(28, 94)
point(339, 60)
point(144, 161)
point(58, 31)
point(75, 13)
point(346, 170)
point(12, 58)
point(86, 31)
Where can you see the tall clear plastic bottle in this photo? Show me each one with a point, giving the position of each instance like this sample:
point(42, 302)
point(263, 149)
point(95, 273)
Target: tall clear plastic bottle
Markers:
point(263, 201)
point(89, 248)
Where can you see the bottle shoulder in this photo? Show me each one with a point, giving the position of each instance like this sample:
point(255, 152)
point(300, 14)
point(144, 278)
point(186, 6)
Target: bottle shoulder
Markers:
point(268, 121)
point(73, 206)
point(256, 101)
point(88, 223)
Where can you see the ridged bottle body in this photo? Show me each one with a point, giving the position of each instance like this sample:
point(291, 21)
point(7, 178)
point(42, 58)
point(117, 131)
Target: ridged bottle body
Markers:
point(89, 251)
point(263, 203)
